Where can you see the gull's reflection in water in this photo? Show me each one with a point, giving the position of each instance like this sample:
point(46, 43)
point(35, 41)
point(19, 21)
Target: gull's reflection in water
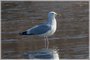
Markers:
point(42, 54)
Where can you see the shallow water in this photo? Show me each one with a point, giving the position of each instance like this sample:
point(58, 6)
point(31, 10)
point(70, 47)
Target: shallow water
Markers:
point(71, 37)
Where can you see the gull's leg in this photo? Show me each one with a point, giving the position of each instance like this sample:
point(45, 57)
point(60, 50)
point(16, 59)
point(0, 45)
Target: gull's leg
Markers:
point(46, 42)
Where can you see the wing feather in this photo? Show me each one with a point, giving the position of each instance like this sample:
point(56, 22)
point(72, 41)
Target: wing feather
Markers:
point(38, 29)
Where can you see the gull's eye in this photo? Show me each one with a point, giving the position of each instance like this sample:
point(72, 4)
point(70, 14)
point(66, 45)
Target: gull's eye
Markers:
point(52, 13)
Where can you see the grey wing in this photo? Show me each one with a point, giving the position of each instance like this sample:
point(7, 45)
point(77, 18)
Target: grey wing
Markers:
point(40, 29)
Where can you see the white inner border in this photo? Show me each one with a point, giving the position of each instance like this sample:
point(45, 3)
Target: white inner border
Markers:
point(41, 0)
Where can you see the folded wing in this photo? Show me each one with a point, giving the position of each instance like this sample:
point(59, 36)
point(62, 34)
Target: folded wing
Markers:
point(39, 29)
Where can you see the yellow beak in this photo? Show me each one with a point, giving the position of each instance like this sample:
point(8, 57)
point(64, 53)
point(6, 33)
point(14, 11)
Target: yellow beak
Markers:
point(59, 14)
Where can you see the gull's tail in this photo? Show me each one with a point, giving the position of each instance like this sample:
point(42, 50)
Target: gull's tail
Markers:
point(23, 33)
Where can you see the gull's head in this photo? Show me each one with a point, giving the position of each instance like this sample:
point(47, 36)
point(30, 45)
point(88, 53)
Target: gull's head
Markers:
point(52, 14)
